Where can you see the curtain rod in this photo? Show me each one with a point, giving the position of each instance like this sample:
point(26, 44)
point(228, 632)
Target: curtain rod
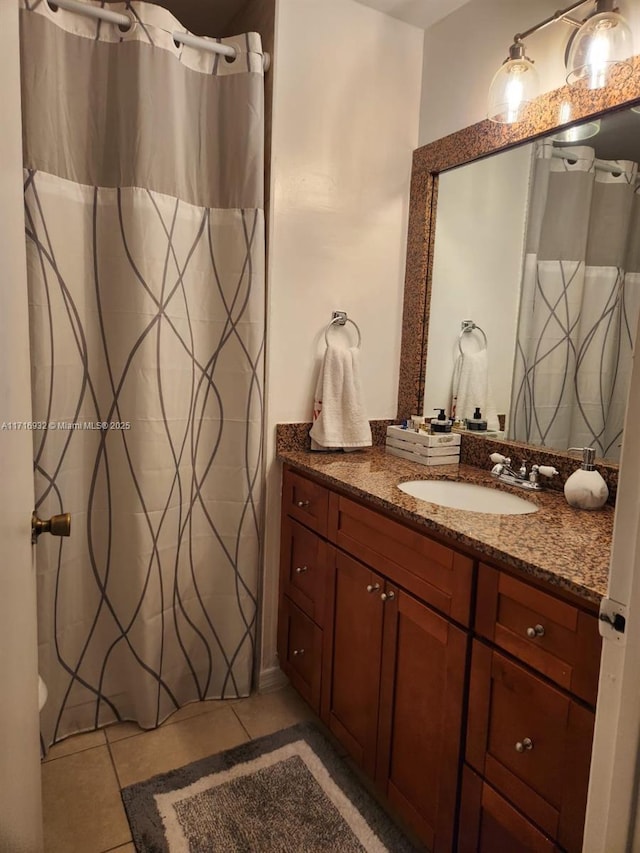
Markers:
point(128, 21)
point(602, 165)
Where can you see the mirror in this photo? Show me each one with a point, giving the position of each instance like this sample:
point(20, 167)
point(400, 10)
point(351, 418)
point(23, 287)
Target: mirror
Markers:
point(550, 274)
point(548, 114)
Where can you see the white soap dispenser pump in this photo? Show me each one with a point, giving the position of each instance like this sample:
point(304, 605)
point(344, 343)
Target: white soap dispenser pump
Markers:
point(586, 488)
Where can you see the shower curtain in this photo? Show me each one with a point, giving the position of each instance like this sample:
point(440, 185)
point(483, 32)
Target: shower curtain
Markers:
point(579, 303)
point(145, 234)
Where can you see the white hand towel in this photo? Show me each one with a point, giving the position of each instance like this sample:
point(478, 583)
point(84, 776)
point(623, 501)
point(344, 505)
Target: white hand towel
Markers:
point(471, 388)
point(338, 414)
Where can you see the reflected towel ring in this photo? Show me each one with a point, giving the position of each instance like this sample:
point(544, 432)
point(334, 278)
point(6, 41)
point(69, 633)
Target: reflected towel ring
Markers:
point(340, 321)
point(470, 326)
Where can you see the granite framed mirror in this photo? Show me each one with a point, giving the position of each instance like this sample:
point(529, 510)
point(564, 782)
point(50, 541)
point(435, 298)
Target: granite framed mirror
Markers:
point(466, 146)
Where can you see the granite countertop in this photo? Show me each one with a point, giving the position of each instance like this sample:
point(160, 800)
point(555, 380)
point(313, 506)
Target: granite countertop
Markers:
point(567, 547)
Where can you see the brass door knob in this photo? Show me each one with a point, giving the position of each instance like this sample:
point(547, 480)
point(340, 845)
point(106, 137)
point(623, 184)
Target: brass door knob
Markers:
point(57, 525)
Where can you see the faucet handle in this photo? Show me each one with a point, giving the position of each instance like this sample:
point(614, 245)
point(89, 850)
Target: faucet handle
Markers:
point(499, 459)
point(548, 470)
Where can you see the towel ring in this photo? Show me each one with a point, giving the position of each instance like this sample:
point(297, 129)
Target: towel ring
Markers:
point(340, 321)
point(470, 326)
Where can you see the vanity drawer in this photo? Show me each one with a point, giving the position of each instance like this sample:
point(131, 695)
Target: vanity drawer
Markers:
point(433, 572)
point(305, 501)
point(300, 651)
point(488, 823)
point(303, 568)
point(531, 742)
point(551, 635)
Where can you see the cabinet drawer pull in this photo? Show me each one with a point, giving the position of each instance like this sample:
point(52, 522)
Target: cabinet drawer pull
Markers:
point(388, 596)
point(297, 652)
point(373, 587)
point(538, 631)
point(302, 504)
point(524, 745)
point(300, 570)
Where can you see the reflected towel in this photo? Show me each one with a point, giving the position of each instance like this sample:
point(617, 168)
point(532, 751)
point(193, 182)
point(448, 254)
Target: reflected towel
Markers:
point(471, 388)
point(338, 413)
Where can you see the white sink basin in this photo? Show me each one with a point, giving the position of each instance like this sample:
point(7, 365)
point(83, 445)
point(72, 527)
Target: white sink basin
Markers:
point(457, 495)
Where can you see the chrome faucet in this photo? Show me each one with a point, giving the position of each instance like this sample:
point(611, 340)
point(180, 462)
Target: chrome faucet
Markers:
point(525, 479)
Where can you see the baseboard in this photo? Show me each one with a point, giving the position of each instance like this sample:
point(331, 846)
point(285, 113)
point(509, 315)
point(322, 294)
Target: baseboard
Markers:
point(271, 679)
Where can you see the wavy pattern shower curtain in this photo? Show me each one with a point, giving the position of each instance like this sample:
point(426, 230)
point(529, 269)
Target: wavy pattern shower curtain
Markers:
point(579, 304)
point(145, 235)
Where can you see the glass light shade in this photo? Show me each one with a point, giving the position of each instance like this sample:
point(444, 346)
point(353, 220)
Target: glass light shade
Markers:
point(601, 52)
point(579, 132)
point(514, 86)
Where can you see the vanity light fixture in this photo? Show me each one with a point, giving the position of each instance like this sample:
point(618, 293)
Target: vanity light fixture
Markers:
point(514, 86)
point(578, 133)
point(599, 54)
point(601, 50)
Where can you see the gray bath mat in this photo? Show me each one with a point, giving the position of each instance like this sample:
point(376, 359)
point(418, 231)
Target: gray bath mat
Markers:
point(285, 793)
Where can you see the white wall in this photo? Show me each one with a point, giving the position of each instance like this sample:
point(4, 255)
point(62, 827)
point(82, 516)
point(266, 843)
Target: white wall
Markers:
point(463, 52)
point(345, 123)
point(477, 269)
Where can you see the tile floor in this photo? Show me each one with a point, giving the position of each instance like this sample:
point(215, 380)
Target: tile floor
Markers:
point(82, 776)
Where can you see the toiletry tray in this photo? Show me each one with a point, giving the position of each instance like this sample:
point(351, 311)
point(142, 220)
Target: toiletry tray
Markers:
point(423, 447)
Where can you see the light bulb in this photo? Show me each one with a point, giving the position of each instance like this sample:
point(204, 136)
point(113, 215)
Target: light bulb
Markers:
point(513, 87)
point(600, 52)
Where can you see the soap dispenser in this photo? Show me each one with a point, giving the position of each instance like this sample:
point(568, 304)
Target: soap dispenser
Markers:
point(441, 423)
point(477, 422)
point(586, 488)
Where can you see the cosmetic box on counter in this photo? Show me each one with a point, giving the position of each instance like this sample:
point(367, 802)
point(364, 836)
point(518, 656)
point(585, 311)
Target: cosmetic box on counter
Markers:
point(424, 447)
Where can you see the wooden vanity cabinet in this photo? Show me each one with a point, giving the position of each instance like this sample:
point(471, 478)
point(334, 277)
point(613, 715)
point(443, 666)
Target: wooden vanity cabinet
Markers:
point(305, 500)
point(531, 742)
point(489, 824)
point(421, 717)
point(393, 695)
point(552, 636)
point(528, 740)
point(304, 561)
point(366, 618)
point(380, 633)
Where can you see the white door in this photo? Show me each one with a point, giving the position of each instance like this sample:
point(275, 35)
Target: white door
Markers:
point(20, 799)
point(612, 822)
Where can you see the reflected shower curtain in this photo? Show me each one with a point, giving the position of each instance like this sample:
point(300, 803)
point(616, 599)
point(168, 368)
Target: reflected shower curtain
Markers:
point(145, 235)
point(579, 303)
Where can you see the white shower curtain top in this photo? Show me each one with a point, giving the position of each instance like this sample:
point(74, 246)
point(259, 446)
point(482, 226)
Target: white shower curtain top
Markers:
point(154, 25)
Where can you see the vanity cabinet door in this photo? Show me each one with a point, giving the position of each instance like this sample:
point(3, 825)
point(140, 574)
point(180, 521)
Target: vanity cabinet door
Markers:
point(531, 742)
point(303, 568)
point(352, 659)
point(551, 635)
point(489, 824)
point(435, 573)
point(420, 727)
point(300, 651)
point(304, 500)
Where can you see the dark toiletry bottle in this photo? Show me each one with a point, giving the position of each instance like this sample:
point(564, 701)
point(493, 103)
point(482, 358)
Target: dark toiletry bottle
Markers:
point(442, 423)
point(476, 422)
